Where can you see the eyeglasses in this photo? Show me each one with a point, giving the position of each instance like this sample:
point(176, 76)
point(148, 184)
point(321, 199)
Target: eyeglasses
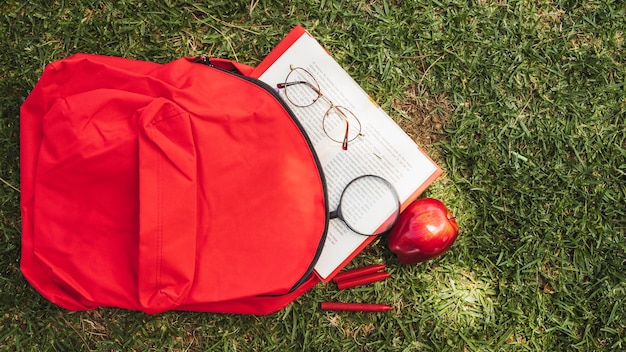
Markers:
point(302, 90)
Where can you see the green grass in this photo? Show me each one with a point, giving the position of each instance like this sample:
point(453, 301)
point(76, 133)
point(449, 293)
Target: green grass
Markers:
point(534, 152)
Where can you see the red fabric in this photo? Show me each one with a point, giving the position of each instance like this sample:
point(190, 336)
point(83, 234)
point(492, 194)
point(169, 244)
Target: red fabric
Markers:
point(156, 187)
point(232, 66)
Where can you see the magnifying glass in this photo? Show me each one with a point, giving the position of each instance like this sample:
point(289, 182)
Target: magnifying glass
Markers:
point(369, 205)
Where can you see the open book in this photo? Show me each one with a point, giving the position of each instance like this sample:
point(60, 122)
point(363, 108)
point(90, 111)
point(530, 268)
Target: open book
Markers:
point(384, 149)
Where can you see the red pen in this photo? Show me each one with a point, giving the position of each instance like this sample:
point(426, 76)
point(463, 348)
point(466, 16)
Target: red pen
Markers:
point(362, 280)
point(356, 307)
point(359, 272)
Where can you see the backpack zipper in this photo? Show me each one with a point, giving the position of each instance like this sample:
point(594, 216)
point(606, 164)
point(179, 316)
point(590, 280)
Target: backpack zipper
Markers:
point(204, 59)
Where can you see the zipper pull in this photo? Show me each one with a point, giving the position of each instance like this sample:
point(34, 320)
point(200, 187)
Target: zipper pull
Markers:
point(203, 59)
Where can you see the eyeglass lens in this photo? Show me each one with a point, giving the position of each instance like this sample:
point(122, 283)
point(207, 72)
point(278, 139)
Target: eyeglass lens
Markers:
point(301, 88)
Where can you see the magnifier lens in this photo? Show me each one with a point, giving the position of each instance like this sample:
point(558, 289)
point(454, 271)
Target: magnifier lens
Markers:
point(369, 205)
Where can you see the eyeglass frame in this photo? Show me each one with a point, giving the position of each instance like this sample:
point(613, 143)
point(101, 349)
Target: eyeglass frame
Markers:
point(317, 90)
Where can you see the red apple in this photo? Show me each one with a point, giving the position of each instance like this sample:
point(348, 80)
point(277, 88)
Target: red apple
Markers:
point(424, 230)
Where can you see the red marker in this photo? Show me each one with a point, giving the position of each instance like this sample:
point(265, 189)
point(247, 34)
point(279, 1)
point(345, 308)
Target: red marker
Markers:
point(359, 272)
point(362, 280)
point(356, 307)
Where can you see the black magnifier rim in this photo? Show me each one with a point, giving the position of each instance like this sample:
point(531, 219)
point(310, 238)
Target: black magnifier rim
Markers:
point(337, 213)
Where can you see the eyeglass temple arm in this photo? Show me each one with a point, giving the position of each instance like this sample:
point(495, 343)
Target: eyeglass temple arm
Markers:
point(344, 145)
point(289, 84)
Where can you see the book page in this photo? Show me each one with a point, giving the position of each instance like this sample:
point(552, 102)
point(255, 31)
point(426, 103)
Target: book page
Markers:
point(384, 149)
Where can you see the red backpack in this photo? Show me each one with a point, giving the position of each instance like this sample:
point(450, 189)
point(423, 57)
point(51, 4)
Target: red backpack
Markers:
point(154, 187)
